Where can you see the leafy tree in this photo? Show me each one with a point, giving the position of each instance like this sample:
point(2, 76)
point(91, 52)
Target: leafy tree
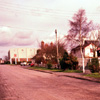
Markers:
point(79, 28)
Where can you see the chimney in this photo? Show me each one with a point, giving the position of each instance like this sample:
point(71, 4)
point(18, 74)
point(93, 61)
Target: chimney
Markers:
point(42, 44)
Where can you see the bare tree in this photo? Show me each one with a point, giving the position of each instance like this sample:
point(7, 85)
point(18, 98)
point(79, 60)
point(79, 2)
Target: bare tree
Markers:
point(79, 28)
point(95, 26)
point(6, 58)
point(49, 52)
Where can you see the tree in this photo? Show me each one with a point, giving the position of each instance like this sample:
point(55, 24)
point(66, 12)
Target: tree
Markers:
point(49, 52)
point(79, 23)
point(6, 58)
point(79, 28)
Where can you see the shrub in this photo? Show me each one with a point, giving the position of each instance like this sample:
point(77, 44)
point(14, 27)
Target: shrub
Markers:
point(93, 65)
point(63, 64)
point(69, 62)
point(7, 62)
point(18, 63)
point(49, 65)
point(74, 61)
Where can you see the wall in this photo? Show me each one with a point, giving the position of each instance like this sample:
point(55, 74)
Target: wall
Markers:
point(89, 51)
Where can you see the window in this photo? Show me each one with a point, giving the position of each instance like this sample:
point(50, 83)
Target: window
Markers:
point(91, 50)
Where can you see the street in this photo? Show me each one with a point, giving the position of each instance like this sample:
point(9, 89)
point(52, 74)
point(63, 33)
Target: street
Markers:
point(17, 83)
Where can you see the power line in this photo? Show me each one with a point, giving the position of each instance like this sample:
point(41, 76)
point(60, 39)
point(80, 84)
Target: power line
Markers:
point(33, 13)
point(36, 13)
point(37, 9)
point(31, 7)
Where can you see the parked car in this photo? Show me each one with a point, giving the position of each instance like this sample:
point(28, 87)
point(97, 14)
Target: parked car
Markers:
point(23, 63)
point(32, 64)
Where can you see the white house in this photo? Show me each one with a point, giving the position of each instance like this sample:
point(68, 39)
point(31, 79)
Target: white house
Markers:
point(88, 52)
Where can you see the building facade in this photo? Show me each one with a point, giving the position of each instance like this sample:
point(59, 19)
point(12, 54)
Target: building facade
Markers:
point(21, 54)
point(89, 50)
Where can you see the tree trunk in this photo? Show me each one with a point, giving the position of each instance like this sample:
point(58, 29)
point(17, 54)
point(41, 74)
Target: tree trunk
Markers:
point(83, 60)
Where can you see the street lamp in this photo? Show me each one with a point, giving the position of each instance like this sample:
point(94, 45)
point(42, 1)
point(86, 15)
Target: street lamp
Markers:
point(57, 48)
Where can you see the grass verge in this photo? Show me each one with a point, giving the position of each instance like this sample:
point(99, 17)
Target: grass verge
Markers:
point(55, 70)
point(94, 75)
point(73, 71)
point(43, 68)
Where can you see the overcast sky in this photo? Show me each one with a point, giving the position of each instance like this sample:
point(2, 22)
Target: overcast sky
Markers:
point(25, 23)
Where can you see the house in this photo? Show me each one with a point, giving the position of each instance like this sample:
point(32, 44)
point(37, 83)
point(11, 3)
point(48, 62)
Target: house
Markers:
point(89, 50)
point(1, 61)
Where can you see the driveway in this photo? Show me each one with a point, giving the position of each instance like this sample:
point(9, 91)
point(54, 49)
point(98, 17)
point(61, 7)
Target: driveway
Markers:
point(17, 83)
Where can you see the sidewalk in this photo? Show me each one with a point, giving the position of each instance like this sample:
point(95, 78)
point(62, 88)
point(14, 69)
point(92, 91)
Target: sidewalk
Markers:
point(73, 75)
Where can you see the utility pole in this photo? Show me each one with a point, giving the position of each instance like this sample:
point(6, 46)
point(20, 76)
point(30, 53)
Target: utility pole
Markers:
point(98, 50)
point(57, 48)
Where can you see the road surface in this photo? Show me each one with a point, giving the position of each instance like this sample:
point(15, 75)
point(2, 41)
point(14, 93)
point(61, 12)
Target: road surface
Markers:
point(17, 83)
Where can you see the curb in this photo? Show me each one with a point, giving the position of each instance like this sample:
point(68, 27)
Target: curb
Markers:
point(83, 78)
point(71, 76)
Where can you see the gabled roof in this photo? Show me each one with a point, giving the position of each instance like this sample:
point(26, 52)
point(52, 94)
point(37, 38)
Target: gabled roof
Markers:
point(87, 42)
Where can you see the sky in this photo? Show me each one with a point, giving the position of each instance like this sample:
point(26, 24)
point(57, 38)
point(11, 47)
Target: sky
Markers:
point(25, 23)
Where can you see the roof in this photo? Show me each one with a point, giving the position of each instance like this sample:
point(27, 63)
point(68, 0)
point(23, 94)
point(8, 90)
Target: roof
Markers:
point(96, 43)
point(0, 58)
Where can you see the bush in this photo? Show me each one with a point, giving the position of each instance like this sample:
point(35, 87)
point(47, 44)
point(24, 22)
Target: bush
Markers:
point(74, 61)
point(49, 65)
point(7, 62)
point(63, 64)
point(18, 63)
point(69, 62)
point(93, 65)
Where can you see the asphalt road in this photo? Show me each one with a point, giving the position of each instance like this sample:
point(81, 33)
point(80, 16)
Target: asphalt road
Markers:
point(17, 83)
